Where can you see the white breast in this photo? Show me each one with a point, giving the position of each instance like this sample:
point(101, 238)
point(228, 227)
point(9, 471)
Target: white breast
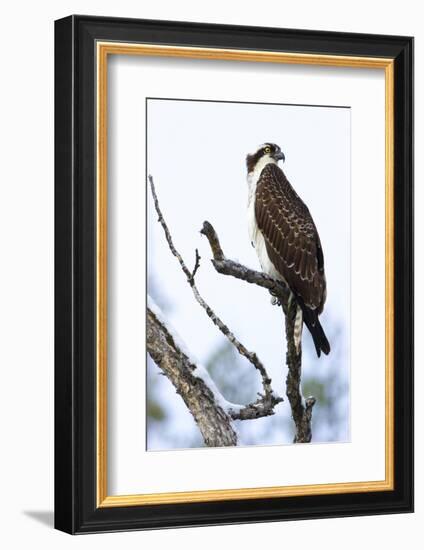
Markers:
point(255, 234)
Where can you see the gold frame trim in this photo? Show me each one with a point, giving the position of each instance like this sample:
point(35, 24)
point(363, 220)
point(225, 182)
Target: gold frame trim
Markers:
point(104, 49)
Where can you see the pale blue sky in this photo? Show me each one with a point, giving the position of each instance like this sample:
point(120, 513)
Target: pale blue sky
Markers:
point(196, 154)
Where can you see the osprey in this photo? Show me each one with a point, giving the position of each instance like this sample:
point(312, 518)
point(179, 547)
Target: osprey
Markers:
point(286, 240)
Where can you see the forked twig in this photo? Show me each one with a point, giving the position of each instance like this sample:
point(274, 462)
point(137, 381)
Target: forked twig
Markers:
point(264, 405)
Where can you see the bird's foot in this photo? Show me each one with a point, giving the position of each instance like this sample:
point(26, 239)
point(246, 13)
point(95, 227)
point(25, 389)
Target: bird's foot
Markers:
point(275, 301)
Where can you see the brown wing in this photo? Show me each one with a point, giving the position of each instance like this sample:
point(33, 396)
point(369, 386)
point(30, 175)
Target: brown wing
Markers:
point(291, 238)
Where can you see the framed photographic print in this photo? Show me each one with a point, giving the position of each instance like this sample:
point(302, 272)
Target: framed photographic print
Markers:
point(234, 274)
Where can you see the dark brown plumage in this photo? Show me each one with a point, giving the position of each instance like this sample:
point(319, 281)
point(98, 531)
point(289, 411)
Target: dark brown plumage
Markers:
point(292, 241)
point(293, 246)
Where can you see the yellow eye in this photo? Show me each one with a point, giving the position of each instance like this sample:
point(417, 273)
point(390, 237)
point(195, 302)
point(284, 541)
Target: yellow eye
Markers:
point(267, 150)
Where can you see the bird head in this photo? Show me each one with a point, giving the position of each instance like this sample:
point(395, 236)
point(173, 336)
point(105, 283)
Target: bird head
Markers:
point(265, 151)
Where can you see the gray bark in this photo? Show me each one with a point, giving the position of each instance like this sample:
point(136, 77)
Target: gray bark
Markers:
point(214, 423)
point(301, 409)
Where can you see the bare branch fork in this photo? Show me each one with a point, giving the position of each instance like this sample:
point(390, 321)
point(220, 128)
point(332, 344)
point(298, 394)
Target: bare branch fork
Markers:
point(264, 405)
point(301, 409)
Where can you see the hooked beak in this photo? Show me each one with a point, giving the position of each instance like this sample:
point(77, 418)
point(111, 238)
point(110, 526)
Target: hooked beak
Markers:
point(279, 156)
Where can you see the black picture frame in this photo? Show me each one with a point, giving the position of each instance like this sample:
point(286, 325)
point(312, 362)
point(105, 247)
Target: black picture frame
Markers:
point(76, 510)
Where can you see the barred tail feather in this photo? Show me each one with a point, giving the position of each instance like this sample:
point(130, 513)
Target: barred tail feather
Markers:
point(298, 326)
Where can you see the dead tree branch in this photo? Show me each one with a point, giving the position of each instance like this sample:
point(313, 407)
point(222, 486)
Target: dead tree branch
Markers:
point(192, 382)
point(301, 409)
point(266, 402)
point(229, 267)
point(213, 421)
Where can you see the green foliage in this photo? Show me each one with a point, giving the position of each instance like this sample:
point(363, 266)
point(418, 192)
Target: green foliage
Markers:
point(155, 411)
point(317, 388)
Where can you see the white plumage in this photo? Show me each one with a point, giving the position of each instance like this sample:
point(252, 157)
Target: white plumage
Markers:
point(255, 234)
point(258, 240)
